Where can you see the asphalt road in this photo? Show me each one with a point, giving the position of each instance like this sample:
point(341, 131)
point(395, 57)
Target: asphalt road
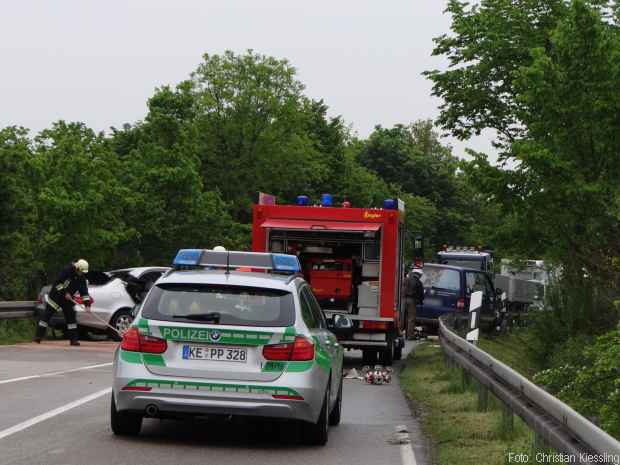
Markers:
point(54, 410)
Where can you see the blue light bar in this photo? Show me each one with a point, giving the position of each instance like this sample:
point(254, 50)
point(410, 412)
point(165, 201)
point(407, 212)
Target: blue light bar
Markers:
point(390, 204)
point(187, 257)
point(286, 263)
point(326, 200)
point(303, 200)
point(231, 260)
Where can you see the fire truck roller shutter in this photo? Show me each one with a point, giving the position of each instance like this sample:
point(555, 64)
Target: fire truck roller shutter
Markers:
point(320, 225)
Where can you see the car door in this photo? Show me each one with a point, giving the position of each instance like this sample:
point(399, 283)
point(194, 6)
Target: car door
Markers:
point(479, 281)
point(327, 344)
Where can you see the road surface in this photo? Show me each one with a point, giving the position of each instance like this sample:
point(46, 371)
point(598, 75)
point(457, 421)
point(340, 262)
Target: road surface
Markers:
point(55, 402)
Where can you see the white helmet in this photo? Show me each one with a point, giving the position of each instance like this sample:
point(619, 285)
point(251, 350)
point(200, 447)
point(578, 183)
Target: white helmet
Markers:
point(81, 265)
point(417, 271)
point(219, 248)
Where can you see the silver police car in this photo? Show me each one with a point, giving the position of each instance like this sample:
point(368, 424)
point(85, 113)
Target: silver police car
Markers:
point(232, 333)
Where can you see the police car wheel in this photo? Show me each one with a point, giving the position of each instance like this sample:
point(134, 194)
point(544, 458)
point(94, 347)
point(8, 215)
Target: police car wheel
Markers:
point(334, 416)
point(316, 434)
point(124, 423)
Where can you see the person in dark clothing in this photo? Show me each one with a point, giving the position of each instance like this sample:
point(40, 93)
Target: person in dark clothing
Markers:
point(71, 280)
point(414, 295)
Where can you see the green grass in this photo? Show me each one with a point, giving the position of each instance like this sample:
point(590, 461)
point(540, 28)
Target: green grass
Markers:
point(512, 350)
point(448, 410)
point(13, 331)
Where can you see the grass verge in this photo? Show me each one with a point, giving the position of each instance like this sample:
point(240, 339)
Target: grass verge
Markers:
point(448, 411)
point(13, 331)
point(511, 349)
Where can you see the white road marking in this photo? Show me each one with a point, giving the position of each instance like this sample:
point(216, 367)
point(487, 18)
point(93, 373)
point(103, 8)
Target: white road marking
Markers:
point(403, 438)
point(52, 413)
point(55, 373)
point(406, 454)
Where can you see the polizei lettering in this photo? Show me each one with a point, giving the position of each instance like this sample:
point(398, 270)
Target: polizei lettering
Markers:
point(185, 334)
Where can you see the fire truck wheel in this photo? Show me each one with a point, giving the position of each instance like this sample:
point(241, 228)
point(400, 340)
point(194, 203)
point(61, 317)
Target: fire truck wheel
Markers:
point(387, 354)
point(398, 352)
point(369, 357)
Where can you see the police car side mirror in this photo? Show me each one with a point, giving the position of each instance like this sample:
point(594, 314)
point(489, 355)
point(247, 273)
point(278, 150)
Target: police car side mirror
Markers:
point(342, 322)
point(135, 310)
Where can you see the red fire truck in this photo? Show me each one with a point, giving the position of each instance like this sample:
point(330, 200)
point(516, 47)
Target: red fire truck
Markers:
point(353, 259)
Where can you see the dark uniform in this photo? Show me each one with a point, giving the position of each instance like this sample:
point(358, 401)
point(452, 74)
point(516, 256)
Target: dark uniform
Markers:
point(69, 282)
point(414, 295)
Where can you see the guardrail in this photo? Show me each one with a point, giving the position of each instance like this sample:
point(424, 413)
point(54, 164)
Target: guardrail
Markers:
point(17, 310)
point(555, 423)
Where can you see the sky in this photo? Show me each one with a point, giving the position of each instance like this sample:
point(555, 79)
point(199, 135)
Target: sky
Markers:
point(98, 62)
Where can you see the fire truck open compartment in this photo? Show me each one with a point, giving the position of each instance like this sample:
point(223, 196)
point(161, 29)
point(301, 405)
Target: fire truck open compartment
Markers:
point(339, 265)
point(354, 260)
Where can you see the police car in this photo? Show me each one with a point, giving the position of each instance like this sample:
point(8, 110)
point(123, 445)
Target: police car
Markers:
point(231, 333)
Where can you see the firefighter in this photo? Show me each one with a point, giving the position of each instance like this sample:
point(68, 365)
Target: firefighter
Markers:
point(414, 295)
point(60, 297)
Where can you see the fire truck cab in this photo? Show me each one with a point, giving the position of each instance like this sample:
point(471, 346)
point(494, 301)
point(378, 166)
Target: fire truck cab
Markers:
point(354, 260)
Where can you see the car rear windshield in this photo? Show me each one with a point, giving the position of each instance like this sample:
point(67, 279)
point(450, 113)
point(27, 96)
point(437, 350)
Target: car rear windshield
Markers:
point(441, 278)
point(217, 304)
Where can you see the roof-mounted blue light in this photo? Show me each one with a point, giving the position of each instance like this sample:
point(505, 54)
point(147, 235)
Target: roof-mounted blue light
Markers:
point(286, 263)
point(303, 200)
point(326, 200)
point(187, 257)
point(233, 260)
point(390, 204)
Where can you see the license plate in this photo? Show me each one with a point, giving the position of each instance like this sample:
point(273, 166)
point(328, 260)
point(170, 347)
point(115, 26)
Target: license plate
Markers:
point(432, 302)
point(215, 353)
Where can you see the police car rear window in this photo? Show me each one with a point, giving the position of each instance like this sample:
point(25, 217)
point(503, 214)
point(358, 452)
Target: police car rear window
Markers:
point(217, 304)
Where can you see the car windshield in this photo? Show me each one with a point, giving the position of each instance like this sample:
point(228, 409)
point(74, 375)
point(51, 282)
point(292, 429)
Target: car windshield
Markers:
point(441, 278)
point(220, 304)
point(464, 262)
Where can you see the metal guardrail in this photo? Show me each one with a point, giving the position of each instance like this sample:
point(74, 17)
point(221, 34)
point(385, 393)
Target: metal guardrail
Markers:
point(558, 425)
point(17, 310)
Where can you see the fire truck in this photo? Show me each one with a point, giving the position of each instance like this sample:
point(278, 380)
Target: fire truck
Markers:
point(354, 260)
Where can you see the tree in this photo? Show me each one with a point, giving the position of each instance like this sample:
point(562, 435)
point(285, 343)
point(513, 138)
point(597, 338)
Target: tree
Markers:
point(82, 203)
point(18, 214)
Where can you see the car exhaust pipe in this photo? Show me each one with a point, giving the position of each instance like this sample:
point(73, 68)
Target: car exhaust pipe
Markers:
point(151, 410)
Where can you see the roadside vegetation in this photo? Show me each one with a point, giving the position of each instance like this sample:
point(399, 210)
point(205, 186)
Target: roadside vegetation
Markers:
point(14, 331)
point(448, 411)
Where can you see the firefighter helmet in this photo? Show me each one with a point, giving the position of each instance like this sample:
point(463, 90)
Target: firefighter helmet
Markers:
point(81, 265)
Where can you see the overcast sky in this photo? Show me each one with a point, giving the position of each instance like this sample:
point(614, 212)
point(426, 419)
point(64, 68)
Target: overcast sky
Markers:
point(98, 62)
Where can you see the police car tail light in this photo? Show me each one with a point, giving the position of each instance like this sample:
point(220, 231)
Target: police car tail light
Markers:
point(133, 341)
point(303, 349)
point(277, 351)
point(300, 350)
point(152, 345)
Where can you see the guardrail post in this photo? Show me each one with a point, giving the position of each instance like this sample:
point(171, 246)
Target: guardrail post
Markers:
point(465, 379)
point(508, 423)
point(483, 398)
point(538, 444)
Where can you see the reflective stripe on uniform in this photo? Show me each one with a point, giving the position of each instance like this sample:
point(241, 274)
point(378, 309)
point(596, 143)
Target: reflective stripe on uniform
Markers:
point(64, 285)
point(43, 324)
point(53, 304)
point(86, 298)
point(72, 326)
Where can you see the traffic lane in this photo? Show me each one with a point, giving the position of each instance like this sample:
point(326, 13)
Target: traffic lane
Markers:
point(26, 399)
point(82, 435)
point(31, 359)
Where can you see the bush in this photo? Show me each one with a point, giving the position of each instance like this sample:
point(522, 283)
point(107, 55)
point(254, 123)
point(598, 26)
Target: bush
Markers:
point(590, 383)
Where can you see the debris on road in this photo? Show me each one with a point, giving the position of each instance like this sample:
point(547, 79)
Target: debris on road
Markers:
point(377, 375)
